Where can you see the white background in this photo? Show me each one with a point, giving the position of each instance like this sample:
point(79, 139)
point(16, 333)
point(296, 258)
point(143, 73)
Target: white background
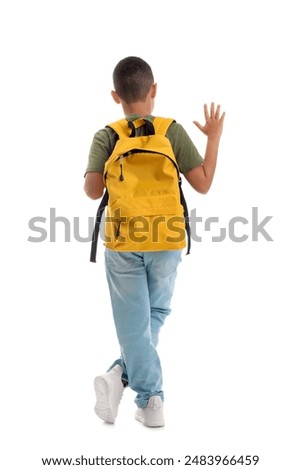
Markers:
point(230, 351)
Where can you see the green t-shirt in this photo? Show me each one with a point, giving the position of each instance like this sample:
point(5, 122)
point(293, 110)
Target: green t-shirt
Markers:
point(104, 141)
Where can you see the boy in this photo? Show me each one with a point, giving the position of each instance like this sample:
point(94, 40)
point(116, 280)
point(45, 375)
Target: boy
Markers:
point(141, 282)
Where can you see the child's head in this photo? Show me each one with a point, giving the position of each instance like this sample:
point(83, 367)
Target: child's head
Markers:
point(133, 79)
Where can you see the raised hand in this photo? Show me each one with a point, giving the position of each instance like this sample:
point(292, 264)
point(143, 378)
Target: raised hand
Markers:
point(214, 122)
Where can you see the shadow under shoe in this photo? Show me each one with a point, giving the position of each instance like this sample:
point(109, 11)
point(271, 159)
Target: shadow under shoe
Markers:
point(109, 390)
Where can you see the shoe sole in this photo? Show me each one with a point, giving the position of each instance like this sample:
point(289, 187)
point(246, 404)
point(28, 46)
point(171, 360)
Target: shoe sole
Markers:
point(103, 407)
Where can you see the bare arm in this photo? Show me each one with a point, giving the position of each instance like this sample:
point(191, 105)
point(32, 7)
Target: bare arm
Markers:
point(94, 185)
point(201, 176)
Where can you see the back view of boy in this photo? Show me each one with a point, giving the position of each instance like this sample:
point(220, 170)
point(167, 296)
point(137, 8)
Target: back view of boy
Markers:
point(141, 282)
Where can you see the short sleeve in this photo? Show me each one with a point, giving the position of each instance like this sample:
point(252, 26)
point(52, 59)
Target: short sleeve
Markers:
point(185, 151)
point(101, 148)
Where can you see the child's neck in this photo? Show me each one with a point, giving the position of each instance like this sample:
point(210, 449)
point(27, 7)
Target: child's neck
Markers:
point(142, 108)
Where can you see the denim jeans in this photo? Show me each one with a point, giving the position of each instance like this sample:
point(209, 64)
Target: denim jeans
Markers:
point(141, 286)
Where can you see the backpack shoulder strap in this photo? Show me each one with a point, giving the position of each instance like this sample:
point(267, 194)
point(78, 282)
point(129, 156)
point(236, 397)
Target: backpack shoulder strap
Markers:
point(100, 211)
point(162, 124)
point(120, 127)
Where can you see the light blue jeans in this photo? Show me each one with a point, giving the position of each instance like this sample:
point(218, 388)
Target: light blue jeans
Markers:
point(141, 286)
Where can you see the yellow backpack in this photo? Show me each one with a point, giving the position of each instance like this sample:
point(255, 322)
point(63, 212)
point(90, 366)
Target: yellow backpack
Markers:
point(146, 206)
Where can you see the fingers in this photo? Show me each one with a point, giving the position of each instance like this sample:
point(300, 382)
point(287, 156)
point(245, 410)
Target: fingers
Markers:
point(217, 111)
point(212, 120)
point(214, 113)
point(206, 112)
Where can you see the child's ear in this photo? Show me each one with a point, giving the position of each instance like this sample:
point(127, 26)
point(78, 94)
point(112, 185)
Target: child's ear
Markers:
point(115, 97)
point(153, 90)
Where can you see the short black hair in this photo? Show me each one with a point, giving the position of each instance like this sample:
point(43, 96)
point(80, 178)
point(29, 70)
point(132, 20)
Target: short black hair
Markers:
point(132, 78)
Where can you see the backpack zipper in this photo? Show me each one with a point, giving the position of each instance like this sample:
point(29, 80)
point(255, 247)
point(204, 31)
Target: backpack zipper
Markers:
point(130, 152)
point(117, 230)
point(121, 177)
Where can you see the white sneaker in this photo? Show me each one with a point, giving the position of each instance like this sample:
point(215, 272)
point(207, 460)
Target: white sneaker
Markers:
point(109, 389)
point(152, 415)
